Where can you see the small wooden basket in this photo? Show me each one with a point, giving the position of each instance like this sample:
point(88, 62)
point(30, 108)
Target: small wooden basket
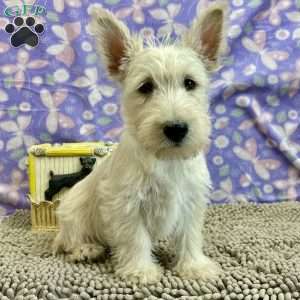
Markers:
point(61, 159)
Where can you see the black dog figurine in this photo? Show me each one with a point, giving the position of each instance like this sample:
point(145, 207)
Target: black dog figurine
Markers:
point(57, 182)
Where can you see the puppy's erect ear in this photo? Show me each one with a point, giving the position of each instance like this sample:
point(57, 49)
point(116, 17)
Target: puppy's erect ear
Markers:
point(113, 42)
point(207, 35)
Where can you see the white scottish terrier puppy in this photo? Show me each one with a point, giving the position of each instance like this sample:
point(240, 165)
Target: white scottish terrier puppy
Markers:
point(155, 184)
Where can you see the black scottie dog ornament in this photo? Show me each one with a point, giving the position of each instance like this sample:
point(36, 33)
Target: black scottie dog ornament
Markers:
point(57, 182)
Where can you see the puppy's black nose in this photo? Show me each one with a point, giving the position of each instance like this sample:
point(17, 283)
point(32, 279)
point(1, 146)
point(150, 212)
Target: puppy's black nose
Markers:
point(176, 132)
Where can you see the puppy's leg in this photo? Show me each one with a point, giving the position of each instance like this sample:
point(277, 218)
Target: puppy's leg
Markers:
point(191, 261)
point(76, 250)
point(133, 253)
point(77, 214)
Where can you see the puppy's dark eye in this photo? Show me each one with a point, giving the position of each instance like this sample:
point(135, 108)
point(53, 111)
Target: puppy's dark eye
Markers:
point(146, 88)
point(189, 84)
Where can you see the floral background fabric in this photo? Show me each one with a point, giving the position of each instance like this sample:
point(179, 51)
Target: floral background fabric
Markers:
point(59, 92)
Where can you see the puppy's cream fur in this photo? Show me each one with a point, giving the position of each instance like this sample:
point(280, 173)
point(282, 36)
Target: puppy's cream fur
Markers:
point(149, 188)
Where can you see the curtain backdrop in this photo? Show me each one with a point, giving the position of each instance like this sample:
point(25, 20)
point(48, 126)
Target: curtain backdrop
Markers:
point(58, 91)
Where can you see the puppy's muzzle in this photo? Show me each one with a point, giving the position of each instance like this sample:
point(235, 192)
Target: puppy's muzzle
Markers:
point(175, 132)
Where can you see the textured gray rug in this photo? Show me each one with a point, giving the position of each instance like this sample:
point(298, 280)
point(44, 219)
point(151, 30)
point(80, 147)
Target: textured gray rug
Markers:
point(257, 246)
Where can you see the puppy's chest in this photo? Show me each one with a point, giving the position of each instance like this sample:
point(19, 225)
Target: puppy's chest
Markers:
point(161, 205)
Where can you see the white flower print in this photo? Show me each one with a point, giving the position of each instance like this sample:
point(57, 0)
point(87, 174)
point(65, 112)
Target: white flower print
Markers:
point(18, 130)
point(96, 91)
point(168, 17)
point(136, 10)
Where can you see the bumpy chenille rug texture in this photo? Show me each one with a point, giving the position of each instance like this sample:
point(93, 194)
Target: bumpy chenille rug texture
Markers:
point(258, 248)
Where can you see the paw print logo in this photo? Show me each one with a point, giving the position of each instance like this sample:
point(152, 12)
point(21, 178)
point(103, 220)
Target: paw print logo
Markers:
point(24, 31)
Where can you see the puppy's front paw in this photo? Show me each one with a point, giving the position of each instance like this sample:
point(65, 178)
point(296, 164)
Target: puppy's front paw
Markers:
point(144, 275)
point(203, 269)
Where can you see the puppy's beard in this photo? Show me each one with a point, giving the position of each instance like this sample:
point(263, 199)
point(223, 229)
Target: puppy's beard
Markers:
point(177, 152)
point(166, 150)
point(167, 154)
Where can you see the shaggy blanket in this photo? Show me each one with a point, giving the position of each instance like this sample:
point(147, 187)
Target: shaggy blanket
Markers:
point(258, 247)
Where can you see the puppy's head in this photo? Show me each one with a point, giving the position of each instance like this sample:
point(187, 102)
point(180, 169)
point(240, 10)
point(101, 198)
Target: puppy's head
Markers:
point(165, 86)
point(87, 162)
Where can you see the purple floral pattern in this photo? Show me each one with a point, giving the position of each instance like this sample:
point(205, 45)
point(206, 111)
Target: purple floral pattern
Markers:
point(59, 92)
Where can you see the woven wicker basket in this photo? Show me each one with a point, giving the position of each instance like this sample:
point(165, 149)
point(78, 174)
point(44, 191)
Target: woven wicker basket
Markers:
point(61, 159)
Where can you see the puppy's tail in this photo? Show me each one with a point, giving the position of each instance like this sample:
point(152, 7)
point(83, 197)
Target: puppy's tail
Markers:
point(51, 173)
